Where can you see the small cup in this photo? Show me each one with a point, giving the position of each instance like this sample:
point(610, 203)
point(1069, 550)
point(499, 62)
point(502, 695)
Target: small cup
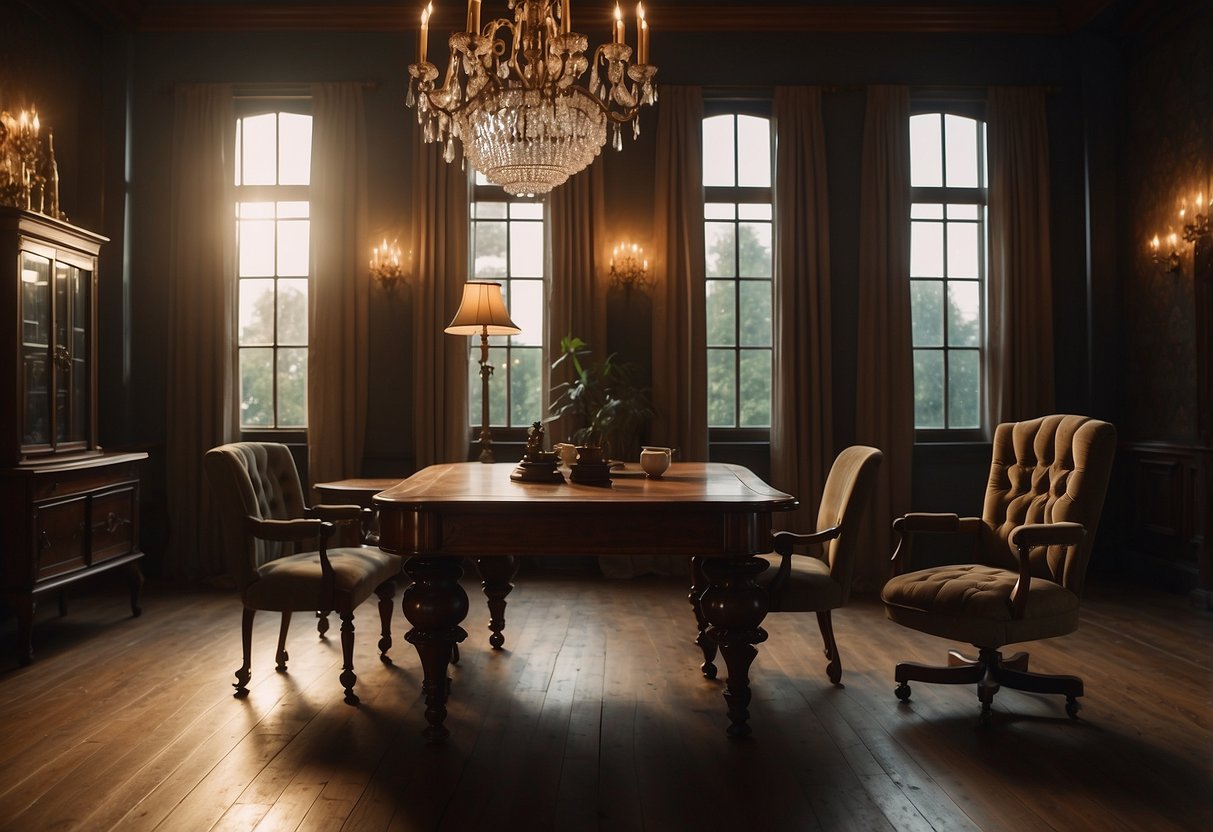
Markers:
point(654, 461)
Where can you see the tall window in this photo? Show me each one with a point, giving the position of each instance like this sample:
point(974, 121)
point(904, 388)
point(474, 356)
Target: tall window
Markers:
point(508, 244)
point(738, 234)
point(273, 171)
point(948, 269)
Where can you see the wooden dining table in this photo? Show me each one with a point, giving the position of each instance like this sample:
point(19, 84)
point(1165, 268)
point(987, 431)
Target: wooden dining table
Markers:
point(718, 515)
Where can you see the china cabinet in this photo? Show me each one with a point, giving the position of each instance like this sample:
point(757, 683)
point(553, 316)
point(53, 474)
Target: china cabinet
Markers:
point(68, 509)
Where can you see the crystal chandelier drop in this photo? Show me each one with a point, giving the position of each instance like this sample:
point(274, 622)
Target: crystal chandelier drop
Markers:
point(512, 95)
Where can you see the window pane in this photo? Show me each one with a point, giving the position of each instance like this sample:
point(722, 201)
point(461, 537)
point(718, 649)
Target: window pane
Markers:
point(720, 250)
point(926, 152)
point(526, 249)
point(255, 210)
point(526, 310)
point(718, 156)
point(256, 248)
point(755, 391)
point(258, 152)
point(926, 249)
point(526, 373)
point(754, 211)
point(293, 247)
point(753, 152)
point(964, 211)
point(526, 210)
point(754, 239)
point(926, 211)
point(964, 313)
point(722, 395)
point(292, 387)
point(292, 312)
point(964, 389)
point(256, 312)
point(257, 388)
point(755, 313)
point(489, 210)
point(721, 313)
point(294, 149)
point(963, 251)
point(497, 387)
point(928, 389)
point(961, 144)
point(719, 211)
point(926, 312)
point(490, 249)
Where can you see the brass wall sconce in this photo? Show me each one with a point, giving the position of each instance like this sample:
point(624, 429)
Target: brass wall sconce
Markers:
point(1191, 229)
point(1170, 262)
point(387, 265)
point(1199, 226)
point(629, 268)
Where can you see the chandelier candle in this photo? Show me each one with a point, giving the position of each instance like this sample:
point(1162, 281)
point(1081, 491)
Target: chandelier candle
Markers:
point(514, 97)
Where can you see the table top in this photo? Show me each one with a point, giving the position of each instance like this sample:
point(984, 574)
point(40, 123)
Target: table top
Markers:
point(710, 485)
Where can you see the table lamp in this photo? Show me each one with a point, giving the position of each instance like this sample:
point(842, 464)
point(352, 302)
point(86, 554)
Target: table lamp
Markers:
point(482, 311)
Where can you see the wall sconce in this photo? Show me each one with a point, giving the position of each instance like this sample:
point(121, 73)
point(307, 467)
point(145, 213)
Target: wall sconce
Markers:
point(1169, 261)
point(387, 265)
point(629, 268)
point(1199, 226)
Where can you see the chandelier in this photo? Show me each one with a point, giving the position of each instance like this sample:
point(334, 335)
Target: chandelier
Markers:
point(512, 95)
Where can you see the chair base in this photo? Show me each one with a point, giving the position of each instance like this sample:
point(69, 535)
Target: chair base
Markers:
point(989, 671)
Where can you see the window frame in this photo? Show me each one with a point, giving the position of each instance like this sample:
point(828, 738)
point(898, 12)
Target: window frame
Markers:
point(758, 108)
point(246, 107)
point(945, 196)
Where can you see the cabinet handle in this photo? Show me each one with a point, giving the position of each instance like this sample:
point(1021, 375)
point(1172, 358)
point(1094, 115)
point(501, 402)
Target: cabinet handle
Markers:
point(112, 523)
point(63, 359)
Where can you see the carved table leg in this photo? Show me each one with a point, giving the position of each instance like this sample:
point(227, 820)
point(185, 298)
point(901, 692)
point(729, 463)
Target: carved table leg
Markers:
point(735, 606)
point(135, 575)
point(496, 576)
point(698, 584)
point(435, 604)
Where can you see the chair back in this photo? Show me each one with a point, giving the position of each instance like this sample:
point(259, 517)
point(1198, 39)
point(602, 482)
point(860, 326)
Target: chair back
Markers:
point(847, 492)
point(257, 480)
point(1048, 470)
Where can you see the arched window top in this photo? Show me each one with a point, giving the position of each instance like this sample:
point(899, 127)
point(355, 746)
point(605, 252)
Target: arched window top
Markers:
point(947, 151)
point(736, 151)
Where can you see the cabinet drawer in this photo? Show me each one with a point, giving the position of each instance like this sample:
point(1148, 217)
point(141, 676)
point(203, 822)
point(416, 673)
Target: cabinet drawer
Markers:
point(59, 537)
point(113, 522)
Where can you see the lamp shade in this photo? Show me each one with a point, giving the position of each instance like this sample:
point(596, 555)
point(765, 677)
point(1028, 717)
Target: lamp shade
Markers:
point(482, 310)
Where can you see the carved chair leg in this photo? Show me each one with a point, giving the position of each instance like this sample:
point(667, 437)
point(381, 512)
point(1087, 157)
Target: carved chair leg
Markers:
point(386, 592)
point(347, 657)
point(708, 647)
point(322, 622)
point(834, 668)
point(281, 656)
point(246, 643)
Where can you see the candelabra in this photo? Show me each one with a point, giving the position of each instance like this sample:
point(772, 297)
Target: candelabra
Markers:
point(387, 266)
point(29, 175)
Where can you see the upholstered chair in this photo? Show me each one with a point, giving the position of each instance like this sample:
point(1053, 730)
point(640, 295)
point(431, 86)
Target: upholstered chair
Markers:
point(264, 519)
point(1027, 561)
point(819, 578)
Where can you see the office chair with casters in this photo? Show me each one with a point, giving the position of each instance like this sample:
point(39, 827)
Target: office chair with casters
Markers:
point(1029, 555)
point(263, 517)
point(820, 581)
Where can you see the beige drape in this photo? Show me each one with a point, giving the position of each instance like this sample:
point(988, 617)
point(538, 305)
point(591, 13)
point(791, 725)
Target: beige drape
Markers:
point(201, 386)
point(440, 246)
point(339, 291)
point(576, 295)
point(802, 426)
point(1021, 285)
point(884, 384)
point(679, 318)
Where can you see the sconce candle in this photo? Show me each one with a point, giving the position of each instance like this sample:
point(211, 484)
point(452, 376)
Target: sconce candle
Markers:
point(629, 267)
point(387, 265)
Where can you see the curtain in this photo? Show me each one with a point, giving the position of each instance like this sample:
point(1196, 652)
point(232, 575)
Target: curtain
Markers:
point(202, 397)
point(1021, 286)
point(339, 290)
point(802, 428)
point(679, 318)
point(440, 246)
point(884, 384)
point(576, 300)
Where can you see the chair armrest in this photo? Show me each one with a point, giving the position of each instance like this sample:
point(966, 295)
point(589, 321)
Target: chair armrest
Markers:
point(784, 541)
point(1023, 539)
point(339, 513)
point(912, 523)
point(288, 530)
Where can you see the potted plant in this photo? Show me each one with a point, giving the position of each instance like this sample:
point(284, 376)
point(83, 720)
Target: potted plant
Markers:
point(603, 400)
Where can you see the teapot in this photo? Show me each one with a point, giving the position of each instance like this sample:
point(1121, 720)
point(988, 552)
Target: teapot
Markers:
point(654, 460)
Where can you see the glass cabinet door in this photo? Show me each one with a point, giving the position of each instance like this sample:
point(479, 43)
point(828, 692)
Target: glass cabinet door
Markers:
point(35, 348)
point(80, 290)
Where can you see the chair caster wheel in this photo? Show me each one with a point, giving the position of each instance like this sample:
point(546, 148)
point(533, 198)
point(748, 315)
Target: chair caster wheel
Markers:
point(903, 692)
point(1072, 708)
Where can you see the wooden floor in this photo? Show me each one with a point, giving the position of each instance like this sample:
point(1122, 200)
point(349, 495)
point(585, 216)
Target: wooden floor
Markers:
point(594, 717)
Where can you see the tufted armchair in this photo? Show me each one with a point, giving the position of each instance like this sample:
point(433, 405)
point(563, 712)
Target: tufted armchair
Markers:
point(819, 580)
point(1029, 553)
point(263, 517)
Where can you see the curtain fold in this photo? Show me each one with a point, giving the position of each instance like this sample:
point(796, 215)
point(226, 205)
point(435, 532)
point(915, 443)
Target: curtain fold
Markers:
point(884, 384)
point(338, 351)
point(576, 297)
point(201, 385)
point(1021, 282)
point(802, 427)
point(679, 317)
point(440, 361)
